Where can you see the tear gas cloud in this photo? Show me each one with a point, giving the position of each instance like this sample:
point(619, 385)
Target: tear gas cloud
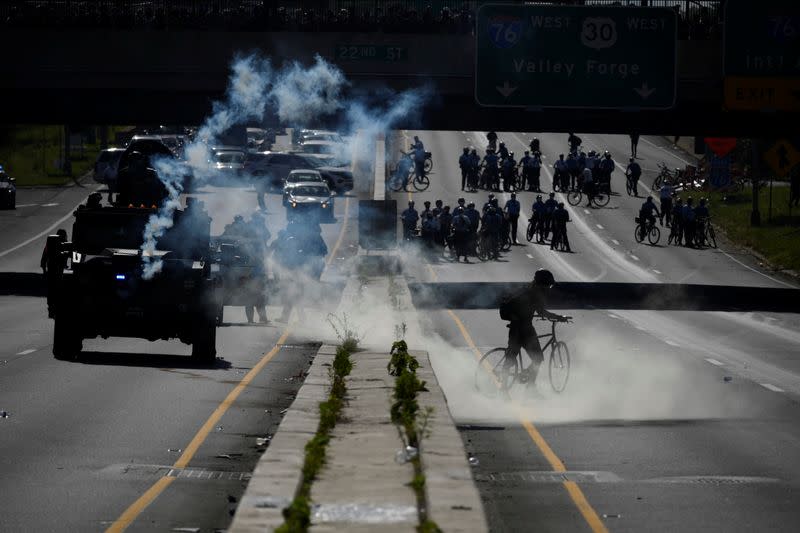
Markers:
point(299, 95)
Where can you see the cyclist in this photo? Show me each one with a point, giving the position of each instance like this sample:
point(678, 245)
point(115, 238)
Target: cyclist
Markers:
point(445, 219)
point(525, 163)
point(417, 144)
point(426, 211)
point(633, 173)
point(474, 222)
point(666, 192)
point(701, 214)
point(512, 210)
point(560, 219)
point(502, 151)
point(488, 203)
point(538, 212)
point(492, 224)
point(519, 310)
point(461, 226)
point(550, 205)
point(572, 170)
point(419, 157)
point(410, 217)
point(560, 172)
point(536, 172)
point(490, 161)
point(534, 145)
point(606, 169)
point(646, 212)
point(574, 143)
point(403, 171)
point(474, 165)
point(465, 162)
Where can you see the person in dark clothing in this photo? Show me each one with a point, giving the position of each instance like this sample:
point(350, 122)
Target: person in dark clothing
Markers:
point(574, 143)
point(464, 162)
point(512, 210)
point(634, 144)
point(519, 310)
point(560, 219)
point(410, 217)
point(58, 262)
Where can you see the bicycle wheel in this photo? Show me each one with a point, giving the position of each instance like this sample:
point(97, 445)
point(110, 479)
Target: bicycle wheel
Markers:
point(639, 233)
point(483, 251)
point(629, 187)
point(653, 235)
point(531, 233)
point(558, 367)
point(601, 199)
point(421, 183)
point(428, 165)
point(657, 182)
point(491, 375)
point(396, 183)
point(711, 238)
point(574, 197)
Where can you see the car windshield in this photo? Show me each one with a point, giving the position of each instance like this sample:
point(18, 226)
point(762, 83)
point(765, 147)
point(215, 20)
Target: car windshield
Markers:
point(315, 162)
point(230, 157)
point(310, 190)
point(297, 177)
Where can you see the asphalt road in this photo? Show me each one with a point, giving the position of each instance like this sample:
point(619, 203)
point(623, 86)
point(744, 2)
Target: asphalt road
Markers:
point(85, 440)
point(671, 421)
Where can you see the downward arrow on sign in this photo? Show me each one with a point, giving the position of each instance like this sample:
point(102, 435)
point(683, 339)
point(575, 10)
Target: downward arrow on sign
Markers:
point(506, 90)
point(644, 91)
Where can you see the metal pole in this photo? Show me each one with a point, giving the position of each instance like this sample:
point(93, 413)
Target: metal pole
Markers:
point(755, 216)
point(769, 212)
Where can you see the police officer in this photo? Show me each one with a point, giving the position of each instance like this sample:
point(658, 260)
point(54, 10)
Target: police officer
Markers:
point(512, 210)
point(464, 163)
point(633, 173)
point(560, 219)
point(525, 163)
point(508, 171)
point(410, 217)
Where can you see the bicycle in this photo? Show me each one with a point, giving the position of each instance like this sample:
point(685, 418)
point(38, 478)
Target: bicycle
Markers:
point(397, 183)
point(645, 229)
point(705, 233)
point(492, 375)
point(600, 199)
point(664, 173)
point(487, 249)
point(630, 185)
point(535, 229)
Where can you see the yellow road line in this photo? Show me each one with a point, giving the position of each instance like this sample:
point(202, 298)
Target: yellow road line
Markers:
point(135, 509)
point(578, 498)
point(341, 232)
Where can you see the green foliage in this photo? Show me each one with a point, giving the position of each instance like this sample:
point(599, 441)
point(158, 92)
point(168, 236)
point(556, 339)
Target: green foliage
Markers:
point(297, 516)
point(345, 331)
point(428, 526)
point(342, 365)
point(401, 360)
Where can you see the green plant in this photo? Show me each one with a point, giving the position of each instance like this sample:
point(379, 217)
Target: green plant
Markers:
point(401, 360)
point(345, 331)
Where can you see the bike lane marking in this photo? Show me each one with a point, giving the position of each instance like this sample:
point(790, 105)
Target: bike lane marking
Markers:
point(136, 508)
point(576, 494)
point(770, 386)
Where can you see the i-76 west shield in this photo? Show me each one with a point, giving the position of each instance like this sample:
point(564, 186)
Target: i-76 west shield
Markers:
point(575, 57)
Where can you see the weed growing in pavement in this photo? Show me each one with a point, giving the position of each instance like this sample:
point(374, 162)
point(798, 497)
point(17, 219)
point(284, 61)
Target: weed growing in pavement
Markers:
point(345, 331)
point(412, 423)
point(297, 517)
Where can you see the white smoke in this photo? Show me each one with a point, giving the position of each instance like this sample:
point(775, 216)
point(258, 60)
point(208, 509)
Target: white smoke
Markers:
point(300, 96)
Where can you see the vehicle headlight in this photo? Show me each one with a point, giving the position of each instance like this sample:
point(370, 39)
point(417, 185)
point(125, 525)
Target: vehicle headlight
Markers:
point(294, 204)
point(324, 205)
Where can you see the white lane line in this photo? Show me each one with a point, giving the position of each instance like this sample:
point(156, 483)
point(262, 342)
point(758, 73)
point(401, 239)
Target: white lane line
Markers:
point(634, 257)
point(50, 205)
point(671, 343)
point(26, 205)
point(48, 230)
point(729, 256)
point(656, 271)
point(529, 256)
point(666, 151)
point(615, 241)
point(26, 352)
point(715, 362)
point(771, 387)
point(586, 211)
point(599, 226)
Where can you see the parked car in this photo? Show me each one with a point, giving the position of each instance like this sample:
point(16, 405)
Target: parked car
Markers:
point(106, 166)
point(8, 191)
point(227, 162)
point(275, 167)
point(308, 201)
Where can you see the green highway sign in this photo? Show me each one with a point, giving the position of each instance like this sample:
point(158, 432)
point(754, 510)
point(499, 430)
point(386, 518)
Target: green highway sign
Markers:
point(762, 38)
point(575, 57)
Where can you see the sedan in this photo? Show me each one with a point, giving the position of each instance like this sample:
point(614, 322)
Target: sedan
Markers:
point(309, 201)
point(274, 167)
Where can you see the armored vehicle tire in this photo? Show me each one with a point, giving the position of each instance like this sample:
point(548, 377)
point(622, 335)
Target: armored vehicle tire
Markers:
point(67, 345)
point(204, 347)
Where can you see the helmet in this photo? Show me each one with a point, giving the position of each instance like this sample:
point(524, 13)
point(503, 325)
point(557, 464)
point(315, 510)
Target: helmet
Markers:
point(461, 201)
point(543, 278)
point(538, 196)
point(474, 151)
point(631, 160)
point(606, 153)
point(502, 143)
point(561, 205)
point(552, 195)
point(411, 204)
point(238, 218)
point(466, 149)
point(513, 195)
point(527, 152)
point(491, 195)
point(649, 198)
point(510, 154)
point(471, 204)
point(561, 156)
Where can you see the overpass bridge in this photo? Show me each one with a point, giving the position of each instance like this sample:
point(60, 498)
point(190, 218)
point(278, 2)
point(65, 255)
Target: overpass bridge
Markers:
point(136, 76)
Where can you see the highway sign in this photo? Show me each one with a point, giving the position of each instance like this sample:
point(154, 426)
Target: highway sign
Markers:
point(759, 93)
point(762, 38)
point(575, 56)
point(782, 157)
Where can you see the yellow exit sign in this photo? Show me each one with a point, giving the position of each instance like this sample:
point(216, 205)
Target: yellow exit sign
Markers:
point(762, 94)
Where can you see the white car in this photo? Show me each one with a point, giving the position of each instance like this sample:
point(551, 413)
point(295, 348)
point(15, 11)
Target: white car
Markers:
point(303, 176)
point(309, 201)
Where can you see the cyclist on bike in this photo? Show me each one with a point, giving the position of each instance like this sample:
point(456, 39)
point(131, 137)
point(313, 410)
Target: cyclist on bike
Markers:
point(488, 203)
point(550, 205)
point(588, 185)
point(701, 214)
point(538, 214)
point(519, 310)
point(502, 151)
point(404, 167)
point(646, 212)
point(572, 170)
point(536, 172)
point(606, 169)
point(490, 161)
point(492, 224)
point(417, 144)
point(461, 227)
point(560, 219)
point(665, 193)
point(419, 157)
point(633, 173)
point(464, 162)
point(676, 232)
point(410, 217)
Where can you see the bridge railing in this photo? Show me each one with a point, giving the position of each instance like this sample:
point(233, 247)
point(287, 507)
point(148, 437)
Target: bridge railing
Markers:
point(699, 19)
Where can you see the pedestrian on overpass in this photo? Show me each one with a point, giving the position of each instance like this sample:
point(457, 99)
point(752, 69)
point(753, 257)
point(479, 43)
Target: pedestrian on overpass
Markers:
point(464, 162)
point(512, 209)
point(634, 144)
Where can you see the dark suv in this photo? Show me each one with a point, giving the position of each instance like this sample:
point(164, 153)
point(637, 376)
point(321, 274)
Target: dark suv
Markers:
point(275, 166)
